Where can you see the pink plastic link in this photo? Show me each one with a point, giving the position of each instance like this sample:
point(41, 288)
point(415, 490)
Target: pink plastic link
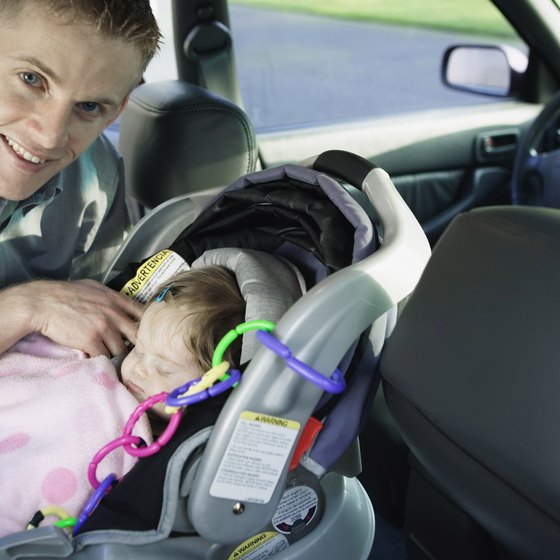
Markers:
point(140, 409)
point(127, 440)
point(103, 452)
point(167, 434)
point(161, 441)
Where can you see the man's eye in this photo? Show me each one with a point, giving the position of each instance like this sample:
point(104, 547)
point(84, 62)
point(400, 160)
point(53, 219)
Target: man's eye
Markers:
point(90, 107)
point(30, 78)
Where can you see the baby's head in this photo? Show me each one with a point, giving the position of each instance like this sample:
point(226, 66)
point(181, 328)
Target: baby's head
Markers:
point(180, 330)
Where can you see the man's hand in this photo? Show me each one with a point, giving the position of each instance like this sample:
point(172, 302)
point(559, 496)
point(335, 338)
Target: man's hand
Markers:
point(83, 314)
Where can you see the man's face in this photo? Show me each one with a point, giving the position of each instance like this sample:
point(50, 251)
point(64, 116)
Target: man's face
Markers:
point(61, 85)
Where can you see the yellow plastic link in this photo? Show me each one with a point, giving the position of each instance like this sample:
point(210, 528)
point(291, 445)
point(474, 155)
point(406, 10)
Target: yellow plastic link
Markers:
point(205, 382)
point(47, 511)
point(57, 511)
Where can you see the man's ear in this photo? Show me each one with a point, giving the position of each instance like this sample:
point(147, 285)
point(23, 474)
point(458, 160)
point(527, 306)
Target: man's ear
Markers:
point(119, 111)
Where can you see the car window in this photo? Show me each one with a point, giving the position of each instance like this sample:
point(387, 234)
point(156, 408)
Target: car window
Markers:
point(303, 62)
point(163, 65)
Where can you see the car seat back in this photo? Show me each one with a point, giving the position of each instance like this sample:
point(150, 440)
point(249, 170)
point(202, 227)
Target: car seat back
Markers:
point(178, 138)
point(471, 377)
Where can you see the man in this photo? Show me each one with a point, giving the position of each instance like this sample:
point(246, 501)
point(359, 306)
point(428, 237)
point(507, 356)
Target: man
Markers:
point(66, 70)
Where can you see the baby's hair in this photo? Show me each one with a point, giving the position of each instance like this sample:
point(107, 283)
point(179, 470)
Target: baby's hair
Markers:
point(212, 305)
point(130, 20)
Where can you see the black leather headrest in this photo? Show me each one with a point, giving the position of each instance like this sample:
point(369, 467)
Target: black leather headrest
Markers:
point(471, 373)
point(178, 138)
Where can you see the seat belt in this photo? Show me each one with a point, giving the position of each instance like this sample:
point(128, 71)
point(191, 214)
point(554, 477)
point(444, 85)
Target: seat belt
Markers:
point(209, 45)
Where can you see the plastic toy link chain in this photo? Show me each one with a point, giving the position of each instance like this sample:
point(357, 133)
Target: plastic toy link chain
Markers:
point(215, 381)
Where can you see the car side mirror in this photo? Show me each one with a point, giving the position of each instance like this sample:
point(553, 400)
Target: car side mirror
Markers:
point(486, 69)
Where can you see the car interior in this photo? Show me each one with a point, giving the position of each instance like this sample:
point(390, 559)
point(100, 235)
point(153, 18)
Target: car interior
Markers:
point(444, 165)
point(454, 451)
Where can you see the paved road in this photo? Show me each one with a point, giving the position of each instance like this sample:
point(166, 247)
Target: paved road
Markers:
point(296, 68)
point(300, 69)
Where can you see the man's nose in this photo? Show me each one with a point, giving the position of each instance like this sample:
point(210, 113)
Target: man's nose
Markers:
point(51, 125)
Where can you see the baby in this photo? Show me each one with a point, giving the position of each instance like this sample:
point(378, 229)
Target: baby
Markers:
point(59, 408)
point(180, 329)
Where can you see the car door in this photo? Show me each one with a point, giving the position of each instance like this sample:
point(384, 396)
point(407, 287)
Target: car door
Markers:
point(311, 83)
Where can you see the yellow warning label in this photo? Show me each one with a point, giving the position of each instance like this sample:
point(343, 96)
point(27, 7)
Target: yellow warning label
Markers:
point(152, 273)
point(260, 546)
point(270, 420)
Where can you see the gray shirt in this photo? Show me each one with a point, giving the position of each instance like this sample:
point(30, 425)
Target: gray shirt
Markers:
point(71, 227)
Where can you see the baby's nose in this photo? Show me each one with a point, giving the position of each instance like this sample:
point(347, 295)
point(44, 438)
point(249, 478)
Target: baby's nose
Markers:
point(141, 370)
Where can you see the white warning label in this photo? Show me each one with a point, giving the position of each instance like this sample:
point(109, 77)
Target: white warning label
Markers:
point(255, 458)
point(152, 273)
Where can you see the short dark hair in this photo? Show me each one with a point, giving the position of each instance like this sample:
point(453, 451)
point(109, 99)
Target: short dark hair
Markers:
point(209, 298)
point(130, 20)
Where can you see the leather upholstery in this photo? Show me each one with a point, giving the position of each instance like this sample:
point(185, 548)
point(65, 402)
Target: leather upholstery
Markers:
point(178, 138)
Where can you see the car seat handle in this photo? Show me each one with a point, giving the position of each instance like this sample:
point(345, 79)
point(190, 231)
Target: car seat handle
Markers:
point(347, 166)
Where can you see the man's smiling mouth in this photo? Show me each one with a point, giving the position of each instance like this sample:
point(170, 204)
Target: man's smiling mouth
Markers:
point(23, 153)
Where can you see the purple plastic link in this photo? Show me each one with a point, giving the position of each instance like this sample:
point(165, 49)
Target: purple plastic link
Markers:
point(272, 343)
point(335, 384)
point(220, 387)
point(174, 400)
point(93, 502)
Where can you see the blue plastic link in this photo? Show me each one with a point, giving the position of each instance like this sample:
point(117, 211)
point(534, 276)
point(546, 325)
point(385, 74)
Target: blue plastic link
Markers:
point(174, 400)
point(335, 384)
point(93, 501)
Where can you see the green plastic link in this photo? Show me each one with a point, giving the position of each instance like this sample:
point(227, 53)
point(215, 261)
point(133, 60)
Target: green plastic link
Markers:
point(227, 339)
point(230, 336)
point(69, 522)
point(256, 324)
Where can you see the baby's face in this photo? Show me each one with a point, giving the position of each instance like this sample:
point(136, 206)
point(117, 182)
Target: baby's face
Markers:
point(159, 361)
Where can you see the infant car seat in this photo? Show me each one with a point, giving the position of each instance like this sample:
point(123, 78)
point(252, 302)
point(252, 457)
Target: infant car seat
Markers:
point(219, 489)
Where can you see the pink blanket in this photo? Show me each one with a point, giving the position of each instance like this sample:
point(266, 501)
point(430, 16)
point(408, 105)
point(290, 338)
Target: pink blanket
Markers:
point(57, 409)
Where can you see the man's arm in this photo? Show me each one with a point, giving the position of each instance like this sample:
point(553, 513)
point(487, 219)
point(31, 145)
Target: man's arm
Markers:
point(83, 314)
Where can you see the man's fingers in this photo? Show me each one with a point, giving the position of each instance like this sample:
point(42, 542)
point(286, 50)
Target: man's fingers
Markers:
point(129, 331)
point(121, 302)
point(92, 348)
point(115, 345)
point(128, 315)
point(86, 315)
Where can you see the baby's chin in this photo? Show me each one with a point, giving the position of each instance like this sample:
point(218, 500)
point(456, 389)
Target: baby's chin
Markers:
point(159, 411)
